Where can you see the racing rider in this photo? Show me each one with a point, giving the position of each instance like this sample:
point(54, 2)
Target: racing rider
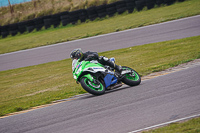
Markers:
point(88, 56)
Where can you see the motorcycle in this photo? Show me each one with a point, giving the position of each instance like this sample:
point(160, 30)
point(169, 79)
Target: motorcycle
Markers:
point(96, 78)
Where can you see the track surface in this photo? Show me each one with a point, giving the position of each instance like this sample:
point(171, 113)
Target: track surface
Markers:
point(155, 101)
point(177, 29)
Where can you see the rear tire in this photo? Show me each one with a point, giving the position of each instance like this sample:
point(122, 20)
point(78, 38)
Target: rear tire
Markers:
point(95, 89)
point(131, 79)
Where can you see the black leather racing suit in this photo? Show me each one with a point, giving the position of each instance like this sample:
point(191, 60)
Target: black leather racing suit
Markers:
point(88, 56)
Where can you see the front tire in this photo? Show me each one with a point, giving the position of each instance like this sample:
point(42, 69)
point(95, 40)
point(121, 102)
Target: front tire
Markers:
point(131, 79)
point(91, 87)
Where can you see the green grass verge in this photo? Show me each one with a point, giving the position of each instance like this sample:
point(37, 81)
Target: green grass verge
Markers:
point(190, 126)
point(113, 24)
point(27, 87)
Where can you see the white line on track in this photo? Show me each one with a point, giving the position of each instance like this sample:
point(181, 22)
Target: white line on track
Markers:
point(52, 45)
point(166, 123)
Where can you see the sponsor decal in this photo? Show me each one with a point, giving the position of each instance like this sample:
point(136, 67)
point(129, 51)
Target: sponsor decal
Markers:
point(97, 68)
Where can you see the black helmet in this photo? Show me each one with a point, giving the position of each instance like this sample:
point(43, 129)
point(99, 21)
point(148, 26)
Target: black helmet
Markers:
point(76, 54)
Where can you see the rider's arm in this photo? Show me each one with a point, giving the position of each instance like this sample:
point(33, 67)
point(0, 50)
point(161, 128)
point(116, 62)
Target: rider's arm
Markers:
point(91, 56)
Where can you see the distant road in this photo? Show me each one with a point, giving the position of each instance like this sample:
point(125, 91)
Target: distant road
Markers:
point(171, 30)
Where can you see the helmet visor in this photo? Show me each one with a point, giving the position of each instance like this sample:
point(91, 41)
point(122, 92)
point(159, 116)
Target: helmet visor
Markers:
point(76, 54)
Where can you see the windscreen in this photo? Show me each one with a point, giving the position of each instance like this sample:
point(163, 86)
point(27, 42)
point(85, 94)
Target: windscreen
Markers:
point(73, 64)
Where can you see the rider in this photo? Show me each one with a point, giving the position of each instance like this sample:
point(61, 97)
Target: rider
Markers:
point(88, 56)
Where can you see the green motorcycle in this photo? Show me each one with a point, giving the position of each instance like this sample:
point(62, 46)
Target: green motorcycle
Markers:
point(96, 78)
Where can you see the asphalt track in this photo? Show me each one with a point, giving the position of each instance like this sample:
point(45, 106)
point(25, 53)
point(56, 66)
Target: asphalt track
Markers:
point(176, 29)
point(155, 101)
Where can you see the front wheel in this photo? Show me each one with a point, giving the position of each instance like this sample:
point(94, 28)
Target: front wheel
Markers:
point(131, 79)
point(96, 88)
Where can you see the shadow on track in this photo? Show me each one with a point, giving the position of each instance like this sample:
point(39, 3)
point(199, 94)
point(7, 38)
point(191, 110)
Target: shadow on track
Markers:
point(88, 95)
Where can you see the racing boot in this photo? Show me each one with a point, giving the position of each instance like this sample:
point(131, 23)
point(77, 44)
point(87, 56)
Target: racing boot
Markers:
point(111, 63)
point(119, 69)
point(116, 67)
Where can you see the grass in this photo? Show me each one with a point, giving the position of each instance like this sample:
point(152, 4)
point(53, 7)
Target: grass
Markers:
point(38, 8)
point(108, 25)
point(190, 126)
point(27, 87)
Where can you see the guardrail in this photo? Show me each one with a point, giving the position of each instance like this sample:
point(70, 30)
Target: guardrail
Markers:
point(83, 14)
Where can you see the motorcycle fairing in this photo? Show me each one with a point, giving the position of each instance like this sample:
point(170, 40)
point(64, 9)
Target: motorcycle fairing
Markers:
point(110, 80)
point(92, 67)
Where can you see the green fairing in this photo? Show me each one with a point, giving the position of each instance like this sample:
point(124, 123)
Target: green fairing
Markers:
point(81, 66)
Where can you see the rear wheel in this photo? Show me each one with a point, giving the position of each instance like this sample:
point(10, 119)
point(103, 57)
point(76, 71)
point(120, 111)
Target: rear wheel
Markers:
point(131, 79)
point(95, 88)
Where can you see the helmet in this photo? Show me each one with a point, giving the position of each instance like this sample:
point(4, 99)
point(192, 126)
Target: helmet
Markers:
point(76, 54)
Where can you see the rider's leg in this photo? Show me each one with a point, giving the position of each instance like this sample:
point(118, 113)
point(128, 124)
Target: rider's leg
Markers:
point(106, 61)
